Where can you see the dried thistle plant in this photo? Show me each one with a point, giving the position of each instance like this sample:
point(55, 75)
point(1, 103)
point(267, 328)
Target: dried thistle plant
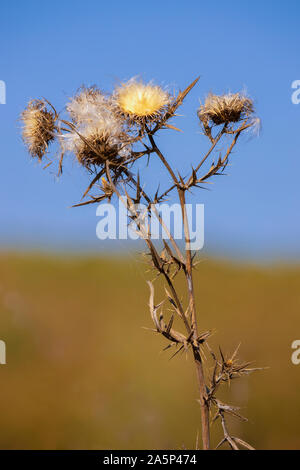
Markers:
point(108, 134)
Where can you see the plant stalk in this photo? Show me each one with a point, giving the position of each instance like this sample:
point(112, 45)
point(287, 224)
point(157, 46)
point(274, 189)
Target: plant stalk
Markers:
point(196, 349)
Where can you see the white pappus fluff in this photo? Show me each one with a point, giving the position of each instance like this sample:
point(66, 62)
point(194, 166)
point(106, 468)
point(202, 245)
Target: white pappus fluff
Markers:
point(93, 115)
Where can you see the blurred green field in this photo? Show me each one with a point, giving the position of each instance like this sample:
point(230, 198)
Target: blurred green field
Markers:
point(82, 373)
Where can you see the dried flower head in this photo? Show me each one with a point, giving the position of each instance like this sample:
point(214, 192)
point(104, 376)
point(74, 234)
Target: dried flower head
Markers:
point(38, 127)
point(97, 147)
point(141, 102)
point(224, 109)
point(98, 132)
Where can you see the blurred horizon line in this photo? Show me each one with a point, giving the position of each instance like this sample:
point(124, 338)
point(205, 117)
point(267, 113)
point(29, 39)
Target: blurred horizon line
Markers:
point(123, 254)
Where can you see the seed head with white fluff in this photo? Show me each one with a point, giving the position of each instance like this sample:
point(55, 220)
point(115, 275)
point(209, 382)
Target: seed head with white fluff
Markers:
point(98, 133)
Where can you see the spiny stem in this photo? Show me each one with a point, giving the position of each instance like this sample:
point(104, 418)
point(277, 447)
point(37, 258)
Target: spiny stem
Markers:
point(196, 350)
point(189, 277)
point(160, 155)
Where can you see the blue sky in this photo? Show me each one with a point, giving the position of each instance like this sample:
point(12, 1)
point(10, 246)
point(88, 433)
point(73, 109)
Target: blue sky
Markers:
point(51, 48)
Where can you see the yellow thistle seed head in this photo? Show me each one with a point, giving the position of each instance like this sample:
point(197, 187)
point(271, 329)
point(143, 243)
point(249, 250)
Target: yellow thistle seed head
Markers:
point(141, 101)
